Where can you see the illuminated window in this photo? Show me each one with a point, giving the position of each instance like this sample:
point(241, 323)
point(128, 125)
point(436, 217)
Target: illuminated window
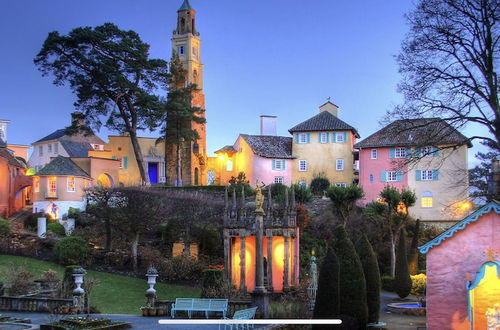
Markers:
point(374, 154)
point(36, 183)
point(323, 137)
point(71, 184)
point(52, 186)
point(426, 201)
point(339, 165)
point(400, 153)
point(229, 165)
point(279, 179)
point(302, 165)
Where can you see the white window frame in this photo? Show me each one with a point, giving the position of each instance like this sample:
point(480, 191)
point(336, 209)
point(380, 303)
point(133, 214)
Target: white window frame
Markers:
point(229, 165)
point(302, 165)
point(302, 182)
point(52, 189)
point(339, 137)
point(392, 176)
point(374, 154)
point(339, 164)
point(399, 152)
point(323, 137)
point(279, 179)
point(70, 181)
point(49, 148)
point(427, 202)
point(341, 184)
point(302, 138)
point(426, 175)
point(279, 164)
point(427, 151)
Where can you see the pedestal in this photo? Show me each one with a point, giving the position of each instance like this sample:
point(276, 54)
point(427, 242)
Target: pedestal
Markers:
point(42, 227)
point(261, 300)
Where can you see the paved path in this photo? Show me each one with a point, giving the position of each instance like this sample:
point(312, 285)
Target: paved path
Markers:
point(395, 320)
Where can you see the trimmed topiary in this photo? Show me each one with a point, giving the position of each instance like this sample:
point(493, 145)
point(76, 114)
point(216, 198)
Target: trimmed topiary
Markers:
point(303, 194)
point(387, 283)
point(402, 280)
point(56, 228)
point(319, 184)
point(327, 305)
point(352, 280)
point(372, 277)
point(4, 227)
point(72, 250)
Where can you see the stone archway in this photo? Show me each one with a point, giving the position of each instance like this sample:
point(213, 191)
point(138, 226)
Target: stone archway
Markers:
point(105, 180)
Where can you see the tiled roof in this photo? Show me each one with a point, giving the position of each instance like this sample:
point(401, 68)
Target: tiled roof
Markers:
point(269, 146)
point(324, 121)
point(226, 149)
point(76, 149)
point(53, 136)
point(414, 132)
point(11, 159)
point(185, 6)
point(61, 134)
point(62, 166)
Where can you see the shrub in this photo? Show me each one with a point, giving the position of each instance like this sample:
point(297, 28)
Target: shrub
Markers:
point(31, 221)
point(209, 238)
point(56, 228)
point(327, 303)
point(418, 283)
point(180, 269)
point(372, 277)
point(72, 250)
point(387, 283)
point(413, 255)
point(302, 193)
point(278, 191)
point(240, 183)
point(21, 283)
point(319, 184)
point(214, 284)
point(303, 216)
point(352, 280)
point(4, 227)
point(50, 276)
point(402, 280)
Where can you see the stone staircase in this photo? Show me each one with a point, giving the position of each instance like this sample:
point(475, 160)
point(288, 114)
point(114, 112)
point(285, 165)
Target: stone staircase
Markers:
point(17, 219)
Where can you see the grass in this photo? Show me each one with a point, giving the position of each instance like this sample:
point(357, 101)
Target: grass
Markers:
point(115, 294)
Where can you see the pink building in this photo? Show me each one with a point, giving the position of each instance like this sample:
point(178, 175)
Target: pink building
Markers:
point(427, 156)
point(457, 296)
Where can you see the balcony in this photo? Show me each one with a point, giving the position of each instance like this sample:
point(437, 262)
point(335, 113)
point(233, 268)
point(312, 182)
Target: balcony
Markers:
point(51, 195)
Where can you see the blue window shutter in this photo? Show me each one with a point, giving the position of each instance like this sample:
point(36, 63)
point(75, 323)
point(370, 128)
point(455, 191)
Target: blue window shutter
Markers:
point(283, 162)
point(399, 176)
point(308, 137)
point(327, 137)
point(297, 137)
point(274, 164)
point(408, 152)
point(418, 175)
point(383, 176)
point(319, 137)
point(418, 152)
point(125, 162)
point(435, 175)
point(435, 151)
point(113, 157)
point(334, 137)
point(392, 153)
point(345, 136)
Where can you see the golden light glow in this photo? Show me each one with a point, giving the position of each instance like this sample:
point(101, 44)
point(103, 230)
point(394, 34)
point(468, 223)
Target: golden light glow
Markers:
point(465, 205)
point(221, 157)
point(104, 181)
point(30, 171)
point(484, 296)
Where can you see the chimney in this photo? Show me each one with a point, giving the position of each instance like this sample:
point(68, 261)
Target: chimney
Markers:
point(330, 107)
point(77, 119)
point(3, 130)
point(268, 125)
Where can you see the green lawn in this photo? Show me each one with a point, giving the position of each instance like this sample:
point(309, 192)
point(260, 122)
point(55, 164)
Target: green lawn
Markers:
point(114, 294)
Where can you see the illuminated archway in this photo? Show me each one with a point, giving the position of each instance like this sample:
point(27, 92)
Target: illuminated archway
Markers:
point(105, 180)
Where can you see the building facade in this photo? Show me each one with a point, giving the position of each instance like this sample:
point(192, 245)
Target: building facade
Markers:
point(426, 156)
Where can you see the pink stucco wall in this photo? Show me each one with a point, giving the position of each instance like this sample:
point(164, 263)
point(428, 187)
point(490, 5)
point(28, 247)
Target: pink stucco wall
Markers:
point(369, 166)
point(263, 171)
point(447, 265)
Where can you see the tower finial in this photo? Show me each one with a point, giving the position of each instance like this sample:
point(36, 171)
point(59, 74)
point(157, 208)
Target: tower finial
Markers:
point(185, 6)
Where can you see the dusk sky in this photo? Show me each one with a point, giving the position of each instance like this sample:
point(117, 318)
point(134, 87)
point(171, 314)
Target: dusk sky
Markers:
point(274, 57)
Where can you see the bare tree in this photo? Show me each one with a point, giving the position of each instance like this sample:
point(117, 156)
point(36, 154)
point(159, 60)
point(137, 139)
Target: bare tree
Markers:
point(449, 62)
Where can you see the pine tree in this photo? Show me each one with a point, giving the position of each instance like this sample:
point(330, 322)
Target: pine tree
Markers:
point(352, 280)
point(327, 297)
point(372, 277)
point(402, 280)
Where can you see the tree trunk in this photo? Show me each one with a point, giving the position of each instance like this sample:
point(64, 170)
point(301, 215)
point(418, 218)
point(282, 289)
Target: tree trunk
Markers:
point(393, 254)
point(138, 157)
point(179, 165)
point(107, 225)
point(135, 244)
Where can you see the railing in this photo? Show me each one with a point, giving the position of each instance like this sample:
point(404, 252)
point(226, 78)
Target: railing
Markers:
point(234, 305)
point(32, 304)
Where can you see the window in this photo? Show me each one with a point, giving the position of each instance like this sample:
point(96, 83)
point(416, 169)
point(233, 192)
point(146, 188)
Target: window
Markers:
point(279, 179)
point(40, 150)
point(303, 182)
point(229, 165)
point(392, 176)
point(56, 148)
point(36, 183)
point(121, 163)
point(302, 138)
point(341, 184)
point(70, 184)
point(52, 186)
point(371, 178)
point(302, 165)
point(340, 136)
point(399, 152)
point(426, 175)
point(49, 148)
point(426, 151)
point(180, 50)
point(278, 164)
point(339, 165)
point(323, 137)
point(426, 199)
point(374, 153)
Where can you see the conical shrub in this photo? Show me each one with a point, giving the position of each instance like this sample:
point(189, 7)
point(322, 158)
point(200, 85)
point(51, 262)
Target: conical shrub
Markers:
point(327, 296)
point(402, 279)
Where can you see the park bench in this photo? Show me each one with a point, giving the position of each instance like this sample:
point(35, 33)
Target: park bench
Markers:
point(243, 314)
point(191, 305)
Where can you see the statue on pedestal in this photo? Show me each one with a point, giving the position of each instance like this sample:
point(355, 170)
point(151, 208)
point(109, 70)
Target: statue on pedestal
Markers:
point(259, 198)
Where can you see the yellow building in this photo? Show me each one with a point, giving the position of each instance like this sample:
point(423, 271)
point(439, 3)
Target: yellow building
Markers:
point(324, 144)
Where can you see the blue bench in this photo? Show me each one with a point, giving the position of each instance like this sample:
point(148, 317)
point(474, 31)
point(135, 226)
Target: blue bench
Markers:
point(191, 305)
point(243, 314)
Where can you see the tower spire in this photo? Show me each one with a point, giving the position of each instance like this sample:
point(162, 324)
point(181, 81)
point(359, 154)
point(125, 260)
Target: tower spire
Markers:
point(185, 6)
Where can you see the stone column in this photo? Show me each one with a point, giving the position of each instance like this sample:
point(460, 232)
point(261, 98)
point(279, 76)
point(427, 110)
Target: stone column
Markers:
point(270, 262)
point(227, 255)
point(260, 297)
point(242, 264)
point(42, 227)
point(286, 285)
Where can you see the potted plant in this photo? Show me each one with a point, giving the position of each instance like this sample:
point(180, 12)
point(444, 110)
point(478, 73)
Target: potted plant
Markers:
point(73, 309)
point(144, 310)
point(151, 311)
point(64, 309)
point(160, 311)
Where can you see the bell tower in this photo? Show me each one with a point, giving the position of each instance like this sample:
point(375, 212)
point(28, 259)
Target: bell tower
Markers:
point(186, 43)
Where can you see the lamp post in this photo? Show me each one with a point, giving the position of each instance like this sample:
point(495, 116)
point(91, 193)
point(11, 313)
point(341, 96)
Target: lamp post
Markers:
point(151, 274)
point(78, 292)
point(312, 289)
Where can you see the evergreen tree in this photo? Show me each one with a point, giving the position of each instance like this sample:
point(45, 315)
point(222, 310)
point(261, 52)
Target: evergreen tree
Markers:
point(327, 304)
point(351, 280)
point(402, 280)
point(413, 255)
point(372, 277)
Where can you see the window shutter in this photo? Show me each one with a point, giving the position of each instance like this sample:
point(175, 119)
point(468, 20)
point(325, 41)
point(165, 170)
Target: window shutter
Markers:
point(435, 152)
point(327, 137)
point(113, 157)
point(418, 152)
point(392, 153)
point(408, 152)
point(383, 176)
point(345, 136)
point(399, 176)
point(274, 164)
point(125, 162)
point(334, 137)
point(319, 137)
point(435, 175)
point(308, 137)
point(418, 175)
point(283, 163)
point(297, 137)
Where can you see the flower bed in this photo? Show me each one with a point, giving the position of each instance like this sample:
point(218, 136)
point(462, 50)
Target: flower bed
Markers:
point(85, 323)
